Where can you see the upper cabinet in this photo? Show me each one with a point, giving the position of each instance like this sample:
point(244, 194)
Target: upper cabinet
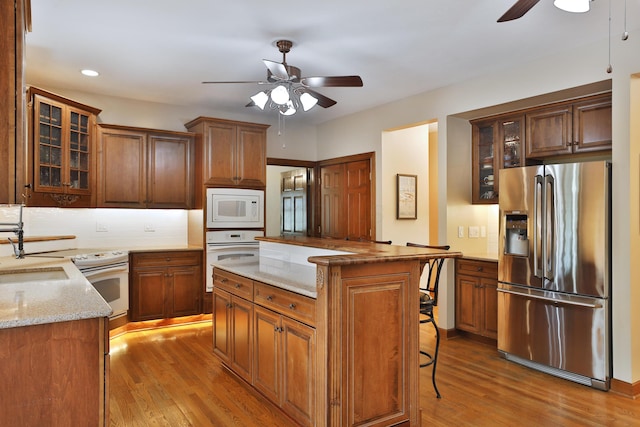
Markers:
point(61, 150)
point(234, 154)
point(531, 136)
point(570, 128)
point(144, 168)
point(497, 144)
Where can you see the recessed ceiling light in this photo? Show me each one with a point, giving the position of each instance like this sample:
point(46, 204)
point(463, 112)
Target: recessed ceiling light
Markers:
point(90, 73)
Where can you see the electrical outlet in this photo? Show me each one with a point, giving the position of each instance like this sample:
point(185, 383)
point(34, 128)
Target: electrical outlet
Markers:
point(461, 232)
point(101, 227)
point(474, 231)
point(149, 228)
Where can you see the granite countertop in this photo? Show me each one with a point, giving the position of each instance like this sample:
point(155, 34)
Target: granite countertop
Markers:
point(360, 252)
point(491, 257)
point(293, 277)
point(295, 269)
point(26, 303)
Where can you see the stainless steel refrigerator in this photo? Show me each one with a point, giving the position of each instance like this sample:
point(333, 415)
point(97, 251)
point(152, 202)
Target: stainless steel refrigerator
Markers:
point(554, 279)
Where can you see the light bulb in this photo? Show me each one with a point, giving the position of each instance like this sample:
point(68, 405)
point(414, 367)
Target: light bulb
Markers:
point(280, 95)
point(575, 6)
point(260, 99)
point(308, 101)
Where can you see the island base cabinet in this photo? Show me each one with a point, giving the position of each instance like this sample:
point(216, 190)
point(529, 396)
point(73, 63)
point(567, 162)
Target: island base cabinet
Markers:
point(232, 332)
point(284, 364)
point(55, 374)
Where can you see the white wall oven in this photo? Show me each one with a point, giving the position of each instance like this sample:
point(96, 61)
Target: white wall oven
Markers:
point(108, 272)
point(235, 208)
point(225, 244)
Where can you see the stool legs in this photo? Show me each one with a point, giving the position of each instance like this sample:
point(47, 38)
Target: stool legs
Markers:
point(433, 360)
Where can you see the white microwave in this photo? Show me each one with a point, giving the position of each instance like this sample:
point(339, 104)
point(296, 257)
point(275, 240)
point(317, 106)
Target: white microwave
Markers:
point(235, 208)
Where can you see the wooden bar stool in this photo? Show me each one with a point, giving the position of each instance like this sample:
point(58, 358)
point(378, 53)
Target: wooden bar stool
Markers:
point(428, 300)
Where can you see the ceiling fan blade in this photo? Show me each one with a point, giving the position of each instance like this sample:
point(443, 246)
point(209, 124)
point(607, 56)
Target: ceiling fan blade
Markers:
point(242, 81)
point(518, 10)
point(277, 69)
point(335, 81)
point(323, 101)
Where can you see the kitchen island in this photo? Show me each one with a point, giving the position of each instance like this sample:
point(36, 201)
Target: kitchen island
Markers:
point(54, 347)
point(327, 329)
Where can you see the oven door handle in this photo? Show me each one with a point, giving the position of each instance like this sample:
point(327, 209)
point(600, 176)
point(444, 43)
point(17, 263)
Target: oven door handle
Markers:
point(96, 273)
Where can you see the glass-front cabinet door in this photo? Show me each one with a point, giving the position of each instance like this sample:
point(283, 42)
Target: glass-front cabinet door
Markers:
point(498, 143)
point(61, 140)
point(511, 134)
point(485, 157)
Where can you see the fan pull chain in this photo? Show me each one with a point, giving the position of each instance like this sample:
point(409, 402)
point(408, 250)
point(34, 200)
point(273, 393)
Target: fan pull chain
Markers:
point(609, 67)
point(625, 34)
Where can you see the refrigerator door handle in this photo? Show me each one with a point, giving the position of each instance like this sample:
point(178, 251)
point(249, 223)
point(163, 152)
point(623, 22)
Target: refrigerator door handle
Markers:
point(549, 235)
point(537, 226)
point(552, 300)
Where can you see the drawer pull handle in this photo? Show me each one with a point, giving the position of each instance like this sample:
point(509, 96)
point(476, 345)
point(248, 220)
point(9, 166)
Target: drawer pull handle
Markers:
point(269, 298)
point(292, 306)
point(224, 280)
point(237, 285)
point(479, 268)
point(229, 305)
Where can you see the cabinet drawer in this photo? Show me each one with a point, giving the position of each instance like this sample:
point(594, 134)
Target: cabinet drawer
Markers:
point(165, 259)
point(477, 268)
point(287, 303)
point(232, 283)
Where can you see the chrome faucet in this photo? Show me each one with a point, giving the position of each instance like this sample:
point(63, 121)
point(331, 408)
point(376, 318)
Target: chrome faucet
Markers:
point(16, 227)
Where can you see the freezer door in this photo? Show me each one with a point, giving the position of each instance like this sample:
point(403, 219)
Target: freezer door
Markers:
point(576, 231)
point(521, 200)
point(569, 333)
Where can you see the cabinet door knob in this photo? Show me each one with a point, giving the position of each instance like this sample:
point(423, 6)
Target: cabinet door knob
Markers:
point(479, 269)
point(237, 285)
point(229, 305)
point(224, 280)
point(269, 298)
point(292, 306)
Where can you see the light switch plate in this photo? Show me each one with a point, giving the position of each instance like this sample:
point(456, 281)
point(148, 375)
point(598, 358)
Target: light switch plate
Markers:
point(460, 232)
point(474, 231)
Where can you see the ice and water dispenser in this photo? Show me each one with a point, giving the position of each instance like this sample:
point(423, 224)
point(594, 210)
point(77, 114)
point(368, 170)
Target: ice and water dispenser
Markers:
point(516, 240)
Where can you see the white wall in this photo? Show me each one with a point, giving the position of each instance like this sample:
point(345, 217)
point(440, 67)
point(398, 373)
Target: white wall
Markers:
point(125, 228)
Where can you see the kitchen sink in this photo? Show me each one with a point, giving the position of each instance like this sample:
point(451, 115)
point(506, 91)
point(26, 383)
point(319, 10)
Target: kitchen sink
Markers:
point(32, 274)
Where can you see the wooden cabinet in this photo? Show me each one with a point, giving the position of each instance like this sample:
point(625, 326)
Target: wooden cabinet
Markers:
point(284, 363)
point(165, 284)
point(145, 168)
point(498, 143)
point(477, 297)
point(15, 21)
point(55, 374)
point(233, 322)
point(61, 149)
point(258, 333)
point(570, 128)
point(233, 154)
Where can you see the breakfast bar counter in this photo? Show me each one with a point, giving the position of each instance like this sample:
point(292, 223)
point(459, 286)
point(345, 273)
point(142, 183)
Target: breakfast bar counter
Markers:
point(325, 328)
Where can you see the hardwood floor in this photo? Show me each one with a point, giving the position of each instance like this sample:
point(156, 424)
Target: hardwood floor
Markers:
point(169, 377)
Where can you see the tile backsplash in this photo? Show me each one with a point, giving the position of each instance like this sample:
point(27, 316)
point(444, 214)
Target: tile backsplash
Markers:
point(97, 228)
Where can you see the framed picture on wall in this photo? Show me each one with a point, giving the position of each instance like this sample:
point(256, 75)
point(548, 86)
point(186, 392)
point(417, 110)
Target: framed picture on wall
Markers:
point(407, 202)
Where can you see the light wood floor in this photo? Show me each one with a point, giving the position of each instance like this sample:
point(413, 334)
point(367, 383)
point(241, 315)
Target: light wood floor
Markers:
point(169, 377)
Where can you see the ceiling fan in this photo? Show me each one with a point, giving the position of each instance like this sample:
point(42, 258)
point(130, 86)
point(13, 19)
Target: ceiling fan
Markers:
point(521, 7)
point(290, 90)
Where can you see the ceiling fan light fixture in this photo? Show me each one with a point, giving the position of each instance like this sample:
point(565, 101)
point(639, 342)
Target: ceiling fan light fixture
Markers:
point(574, 6)
point(280, 95)
point(287, 109)
point(260, 99)
point(308, 101)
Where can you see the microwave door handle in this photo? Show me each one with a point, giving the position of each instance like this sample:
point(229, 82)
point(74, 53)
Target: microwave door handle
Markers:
point(537, 226)
point(550, 232)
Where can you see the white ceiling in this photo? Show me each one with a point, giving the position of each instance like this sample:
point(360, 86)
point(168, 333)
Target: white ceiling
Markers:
point(161, 50)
